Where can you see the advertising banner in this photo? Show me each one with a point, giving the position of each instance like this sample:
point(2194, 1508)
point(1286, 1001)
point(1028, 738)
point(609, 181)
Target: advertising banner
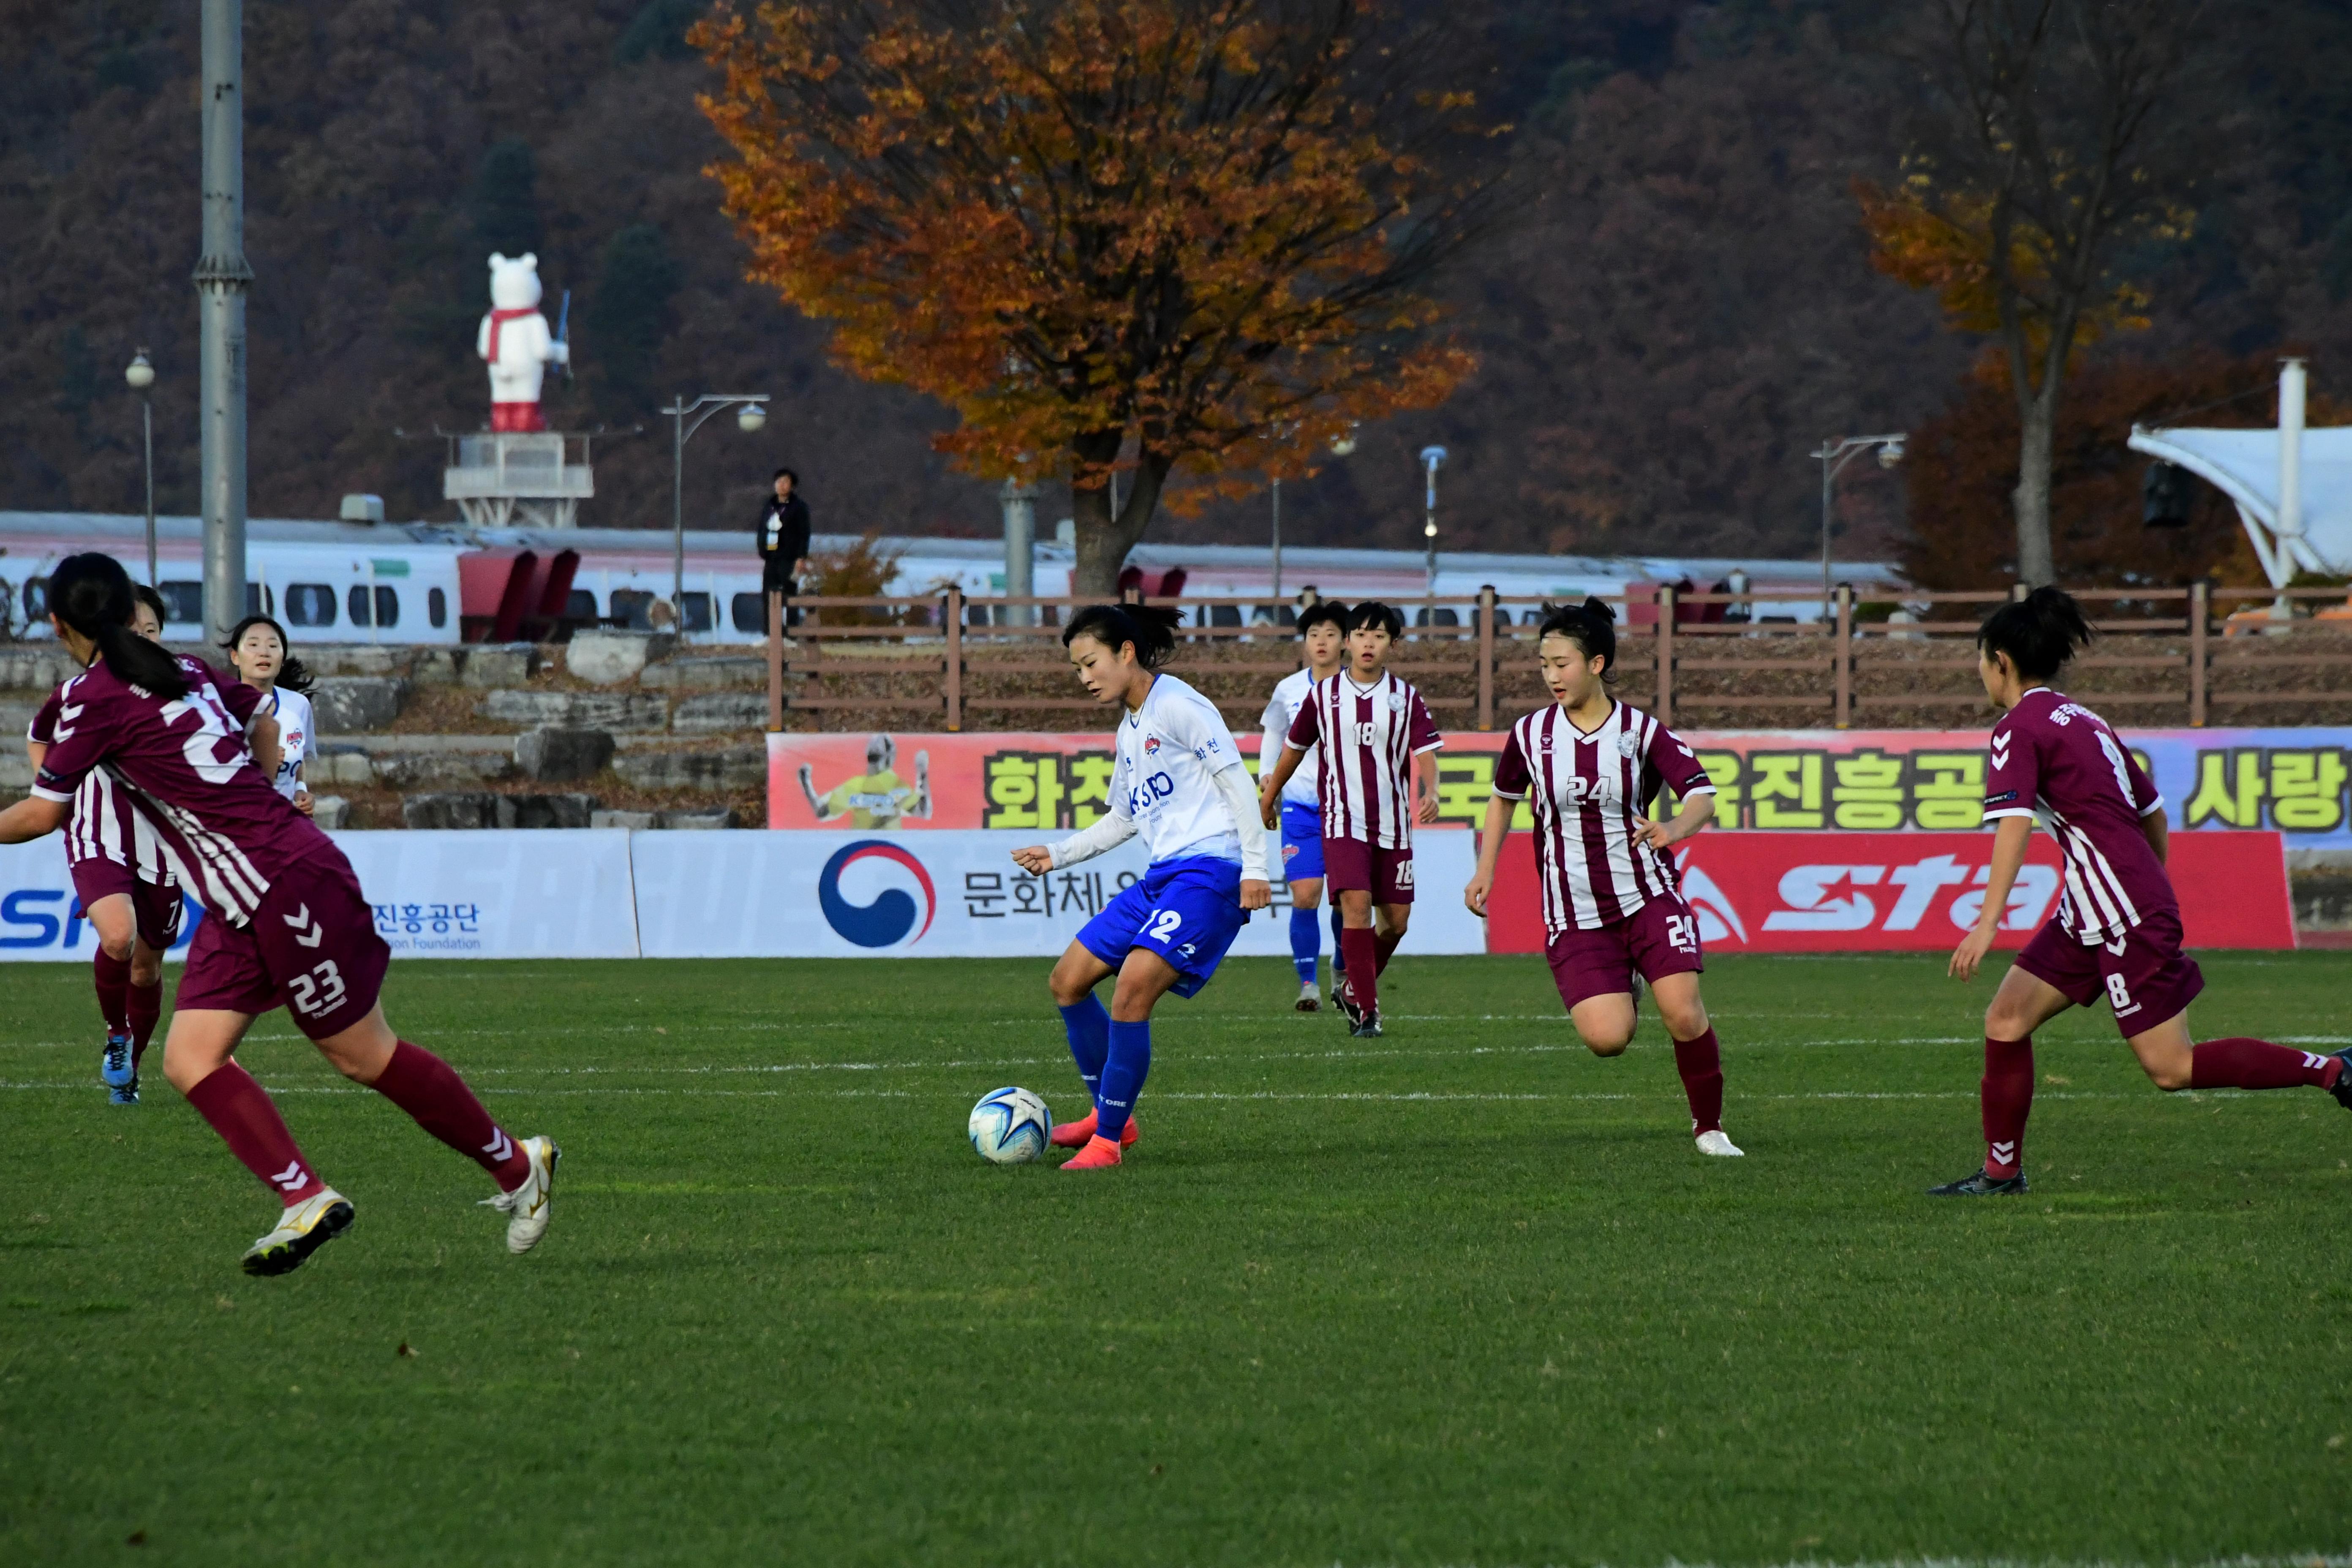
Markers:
point(1903, 892)
point(2293, 782)
point(943, 895)
point(435, 895)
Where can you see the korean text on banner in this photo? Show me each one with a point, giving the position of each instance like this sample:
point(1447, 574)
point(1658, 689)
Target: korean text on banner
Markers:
point(1897, 892)
point(499, 895)
point(937, 895)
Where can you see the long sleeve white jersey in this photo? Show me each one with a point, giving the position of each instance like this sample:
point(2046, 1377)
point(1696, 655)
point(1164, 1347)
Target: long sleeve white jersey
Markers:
point(1281, 710)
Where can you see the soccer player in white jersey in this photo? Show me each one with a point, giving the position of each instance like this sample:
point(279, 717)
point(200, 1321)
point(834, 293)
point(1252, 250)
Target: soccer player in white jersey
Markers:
point(257, 650)
point(1179, 783)
point(1323, 636)
point(1590, 766)
point(1376, 771)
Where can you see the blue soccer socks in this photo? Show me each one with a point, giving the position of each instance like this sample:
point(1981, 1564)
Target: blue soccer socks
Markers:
point(1338, 954)
point(1123, 1072)
point(1305, 942)
point(1089, 1030)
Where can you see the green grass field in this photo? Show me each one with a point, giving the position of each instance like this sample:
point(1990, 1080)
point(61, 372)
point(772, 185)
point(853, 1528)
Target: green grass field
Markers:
point(1461, 1296)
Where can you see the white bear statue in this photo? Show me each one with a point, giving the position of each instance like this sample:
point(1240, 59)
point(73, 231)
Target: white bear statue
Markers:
point(515, 342)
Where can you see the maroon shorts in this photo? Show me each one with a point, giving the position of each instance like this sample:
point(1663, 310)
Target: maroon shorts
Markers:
point(311, 947)
point(1350, 865)
point(1659, 939)
point(2144, 977)
point(156, 909)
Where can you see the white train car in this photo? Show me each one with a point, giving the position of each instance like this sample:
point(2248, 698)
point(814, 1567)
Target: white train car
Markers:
point(437, 583)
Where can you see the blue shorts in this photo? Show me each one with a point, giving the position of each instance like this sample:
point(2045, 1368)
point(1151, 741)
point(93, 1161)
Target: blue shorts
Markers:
point(1302, 842)
point(1187, 912)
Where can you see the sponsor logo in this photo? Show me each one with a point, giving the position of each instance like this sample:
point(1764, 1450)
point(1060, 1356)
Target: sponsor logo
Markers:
point(1900, 897)
point(2003, 798)
point(896, 914)
point(1718, 919)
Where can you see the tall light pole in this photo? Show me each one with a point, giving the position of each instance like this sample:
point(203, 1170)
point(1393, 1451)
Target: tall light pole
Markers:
point(752, 415)
point(141, 375)
point(222, 280)
point(1342, 445)
point(1834, 455)
point(1431, 458)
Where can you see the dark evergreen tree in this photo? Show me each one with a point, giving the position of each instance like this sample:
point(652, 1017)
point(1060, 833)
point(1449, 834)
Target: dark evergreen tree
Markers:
point(629, 318)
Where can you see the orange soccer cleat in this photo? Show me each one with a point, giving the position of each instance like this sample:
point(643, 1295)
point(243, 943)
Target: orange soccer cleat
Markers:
point(1077, 1135)
point(1099, 1153)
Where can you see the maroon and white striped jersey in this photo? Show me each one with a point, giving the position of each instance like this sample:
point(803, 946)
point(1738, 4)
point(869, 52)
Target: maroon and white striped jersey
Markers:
point(104, 825)
point(2060, 762)
point(1368, 737)
point(183, 763)
point(1589, 794)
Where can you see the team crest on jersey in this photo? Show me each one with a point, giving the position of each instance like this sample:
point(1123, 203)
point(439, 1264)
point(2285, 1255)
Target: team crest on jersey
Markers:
point(1627, 746)
point(1396, 701)
point(1152, 745)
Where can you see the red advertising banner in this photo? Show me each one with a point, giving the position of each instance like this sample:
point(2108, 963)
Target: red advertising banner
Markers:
point(1909, 893)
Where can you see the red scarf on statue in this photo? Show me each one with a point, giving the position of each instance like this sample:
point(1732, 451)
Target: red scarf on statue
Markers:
point(499, 319)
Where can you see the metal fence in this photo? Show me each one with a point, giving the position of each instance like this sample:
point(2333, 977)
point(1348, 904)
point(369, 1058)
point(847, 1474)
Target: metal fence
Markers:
point(1722, 660)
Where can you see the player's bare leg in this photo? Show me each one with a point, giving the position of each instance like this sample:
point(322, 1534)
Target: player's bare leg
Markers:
point(199, 1057)
point(1143, 979)
point(1606, 1024)
point(430, 1090)
point(1076, 975)
point(2023, 1004)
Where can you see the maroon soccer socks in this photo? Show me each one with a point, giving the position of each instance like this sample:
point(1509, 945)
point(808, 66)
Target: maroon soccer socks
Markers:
point(2242, 1063)
point(429, 1090)
point(2006, 1095)
point(142, 1004)
point(112, 978)
point(1700, 1063)
point(1361, 946)
point(241, 1113)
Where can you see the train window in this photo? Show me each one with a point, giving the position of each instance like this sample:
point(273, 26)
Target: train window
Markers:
point(1225, 615)
point(309, 604)
point(580, 605)
point(436, 608)
point(183, 602)
point(387, 607)
point(37, 599)
point(749, 612)
point(356, 600)
point(697, 611)
point(630, 607)
point(1443, 616)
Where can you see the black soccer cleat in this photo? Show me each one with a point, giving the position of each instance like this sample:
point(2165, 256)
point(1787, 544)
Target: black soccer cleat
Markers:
point(1981, 1186)
point(2342, 1089)
point(1343, 996)
point(1367, 1026)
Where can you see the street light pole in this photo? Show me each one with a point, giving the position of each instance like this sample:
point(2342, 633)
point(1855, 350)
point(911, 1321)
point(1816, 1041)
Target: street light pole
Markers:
point(1431, 458)
point(752, 415)
point(1834, 455)
point(1277, 549)
point(222, 281)
point(141, 375)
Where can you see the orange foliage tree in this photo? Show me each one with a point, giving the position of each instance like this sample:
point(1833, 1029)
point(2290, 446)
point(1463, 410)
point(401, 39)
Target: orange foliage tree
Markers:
point(1175, 239)
point(2053, 137)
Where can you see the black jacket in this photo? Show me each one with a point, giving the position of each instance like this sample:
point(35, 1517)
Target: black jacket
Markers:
point(792, 534)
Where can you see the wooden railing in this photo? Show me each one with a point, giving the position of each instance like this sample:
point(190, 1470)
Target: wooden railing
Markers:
point(1712, 660)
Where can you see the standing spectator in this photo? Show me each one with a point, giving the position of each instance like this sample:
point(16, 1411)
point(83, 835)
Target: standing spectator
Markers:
point(783, 541)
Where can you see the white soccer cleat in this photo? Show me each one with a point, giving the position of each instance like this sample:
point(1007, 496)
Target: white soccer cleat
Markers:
point(1713, 1142)
point(302, 1230)
point(528, 1207)
point(1310, 1000)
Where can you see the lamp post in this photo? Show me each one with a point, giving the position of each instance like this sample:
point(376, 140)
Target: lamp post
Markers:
point(141, 375)
point(750, 416)
point(1341, 446)
point(1834, 455)
point(1431, 458)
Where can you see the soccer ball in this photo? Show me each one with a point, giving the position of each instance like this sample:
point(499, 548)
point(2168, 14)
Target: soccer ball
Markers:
point(1009, 1127)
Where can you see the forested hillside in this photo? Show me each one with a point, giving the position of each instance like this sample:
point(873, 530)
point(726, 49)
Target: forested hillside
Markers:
point(1683, 308)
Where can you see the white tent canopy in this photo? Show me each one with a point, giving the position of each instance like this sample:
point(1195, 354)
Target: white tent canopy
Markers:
point(2293, 490)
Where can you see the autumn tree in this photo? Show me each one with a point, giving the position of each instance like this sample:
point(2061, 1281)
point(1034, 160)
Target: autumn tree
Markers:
point(1183, 240)
point(2054, 137)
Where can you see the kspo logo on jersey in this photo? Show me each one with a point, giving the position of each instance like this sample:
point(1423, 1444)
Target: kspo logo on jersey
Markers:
point(1149, 793)
point(894, 913)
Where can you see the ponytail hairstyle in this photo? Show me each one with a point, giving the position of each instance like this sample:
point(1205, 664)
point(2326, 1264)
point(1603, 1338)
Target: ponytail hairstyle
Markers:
point(1151, 629)
point(290, 673)
point(1591, 626)
point(92, 594)
point(2038, 633)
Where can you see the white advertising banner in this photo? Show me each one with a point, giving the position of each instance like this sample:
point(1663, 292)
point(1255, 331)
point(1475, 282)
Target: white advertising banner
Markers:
point(435, 895)
point(950, 894)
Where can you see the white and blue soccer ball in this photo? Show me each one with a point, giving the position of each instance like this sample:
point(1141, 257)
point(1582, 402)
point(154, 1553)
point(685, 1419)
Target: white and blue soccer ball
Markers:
point(1010, 1126)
